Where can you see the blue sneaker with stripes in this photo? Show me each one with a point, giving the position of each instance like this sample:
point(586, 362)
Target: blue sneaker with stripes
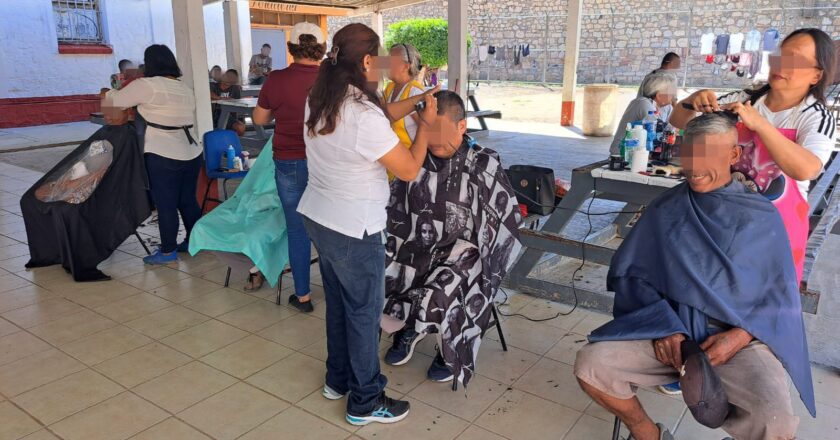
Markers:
point(387, 410)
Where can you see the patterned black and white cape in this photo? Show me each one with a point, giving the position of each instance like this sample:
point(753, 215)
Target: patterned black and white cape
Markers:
point(452, 235)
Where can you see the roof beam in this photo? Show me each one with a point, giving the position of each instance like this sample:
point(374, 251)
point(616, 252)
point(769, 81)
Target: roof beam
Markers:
point(385, 5)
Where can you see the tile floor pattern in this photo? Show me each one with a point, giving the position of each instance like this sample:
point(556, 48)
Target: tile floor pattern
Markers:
point(169, 353)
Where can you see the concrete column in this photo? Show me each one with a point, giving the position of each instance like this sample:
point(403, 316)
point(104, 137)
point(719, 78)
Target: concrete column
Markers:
point(457, 73)
point(188, 17)
point(570, 62)
point(237, 17)
point(377, 26)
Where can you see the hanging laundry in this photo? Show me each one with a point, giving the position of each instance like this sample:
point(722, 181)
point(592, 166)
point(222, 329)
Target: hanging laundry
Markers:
point(501, 53)
point(517, 54)
point(526, 50)
point(491, 50)
point(745, 60)
point(735, 41)
point(752, 42)
point(706, 42)
point(755, 63)
point(764, 69)
point(771, 40)
point(482, 53)
point(722, 44)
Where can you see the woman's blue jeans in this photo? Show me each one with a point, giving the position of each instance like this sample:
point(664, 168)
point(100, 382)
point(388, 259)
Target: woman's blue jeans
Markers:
point(291, 177)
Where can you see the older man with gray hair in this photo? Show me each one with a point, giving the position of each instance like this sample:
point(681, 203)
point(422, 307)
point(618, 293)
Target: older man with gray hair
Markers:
point(708, 263)
point(657, 93)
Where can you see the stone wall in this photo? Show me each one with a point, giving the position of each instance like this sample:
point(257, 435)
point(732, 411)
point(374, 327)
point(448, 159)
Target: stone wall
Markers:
point(622, 40)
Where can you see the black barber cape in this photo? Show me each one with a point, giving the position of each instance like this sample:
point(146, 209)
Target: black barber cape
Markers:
point(81, 226)
point(723, 255)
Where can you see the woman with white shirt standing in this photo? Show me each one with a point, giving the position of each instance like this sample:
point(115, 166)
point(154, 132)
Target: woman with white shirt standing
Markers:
point(788, 116)
point(173, 158)
point(349, 147)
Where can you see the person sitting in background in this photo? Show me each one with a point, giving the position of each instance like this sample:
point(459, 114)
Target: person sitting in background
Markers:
point(670, 65)
point(659, 91)
point(228, 88)
point(438, 280)
point(215, 74)
point(403, 70)
point(259, 66)
point(117, 78)
point(730, 285)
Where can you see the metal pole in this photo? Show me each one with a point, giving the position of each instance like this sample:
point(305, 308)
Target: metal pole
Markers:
point(687, 57)
point(545, 49)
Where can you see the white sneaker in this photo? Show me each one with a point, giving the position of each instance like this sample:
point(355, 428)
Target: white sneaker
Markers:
point(331, 394)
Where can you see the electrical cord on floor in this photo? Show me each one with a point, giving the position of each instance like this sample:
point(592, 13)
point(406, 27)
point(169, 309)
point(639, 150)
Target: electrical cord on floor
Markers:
point(574, 274)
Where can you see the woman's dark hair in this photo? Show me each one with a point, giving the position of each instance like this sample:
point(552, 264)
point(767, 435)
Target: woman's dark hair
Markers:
point(308, 48)
point(160, 61)
point(266, 45)
point(342, 70)
point(233, 71)
point(825, 54)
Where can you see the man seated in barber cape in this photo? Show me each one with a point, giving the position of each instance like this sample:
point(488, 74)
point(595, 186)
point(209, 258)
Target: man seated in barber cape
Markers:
point(708, 261)
point(452, 234)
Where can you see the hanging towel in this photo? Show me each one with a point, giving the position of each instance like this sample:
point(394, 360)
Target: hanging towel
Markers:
point(771, 40)
point(707, 42)
point(482, 53)
point(526, 50)
point(722, 44)
point(752, 42)
point(735, 41)
point(501, 53)
point(755, 63)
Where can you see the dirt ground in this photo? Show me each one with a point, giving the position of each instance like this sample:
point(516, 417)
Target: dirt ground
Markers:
point(535, 102)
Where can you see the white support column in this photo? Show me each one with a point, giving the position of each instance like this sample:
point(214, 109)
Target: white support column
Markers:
point(377, 26)
point(192, 58)
point(570, 62)
point(237, 16)
point(457, 73)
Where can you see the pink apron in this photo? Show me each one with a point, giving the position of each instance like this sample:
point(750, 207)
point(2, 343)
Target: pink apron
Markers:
point(757, 170)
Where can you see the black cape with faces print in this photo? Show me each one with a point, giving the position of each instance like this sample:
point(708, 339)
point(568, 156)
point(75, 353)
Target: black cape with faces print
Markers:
point(452, 235)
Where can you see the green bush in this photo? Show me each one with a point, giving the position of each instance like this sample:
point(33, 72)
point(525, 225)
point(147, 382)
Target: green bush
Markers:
point(428, 35)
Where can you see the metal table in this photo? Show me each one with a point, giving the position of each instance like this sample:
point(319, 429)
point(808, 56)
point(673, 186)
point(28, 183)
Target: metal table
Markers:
point(637, 190)
point(249, 91)
point(243, 107)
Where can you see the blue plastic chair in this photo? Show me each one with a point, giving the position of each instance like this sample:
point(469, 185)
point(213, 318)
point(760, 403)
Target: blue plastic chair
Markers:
point(216, 144)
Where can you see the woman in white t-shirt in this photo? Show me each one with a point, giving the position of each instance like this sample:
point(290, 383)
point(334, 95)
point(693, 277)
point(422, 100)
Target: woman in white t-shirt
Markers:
point(173, 158)
point(789, 117)
point(349, 147)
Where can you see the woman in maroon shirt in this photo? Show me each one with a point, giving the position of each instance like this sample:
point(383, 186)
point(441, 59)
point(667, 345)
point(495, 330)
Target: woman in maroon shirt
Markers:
point(283, 98)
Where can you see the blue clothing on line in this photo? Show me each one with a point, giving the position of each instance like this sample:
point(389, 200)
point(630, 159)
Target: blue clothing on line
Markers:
point(721, 255)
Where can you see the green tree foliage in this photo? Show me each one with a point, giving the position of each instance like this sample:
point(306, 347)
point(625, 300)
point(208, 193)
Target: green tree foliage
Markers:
point(428, 35)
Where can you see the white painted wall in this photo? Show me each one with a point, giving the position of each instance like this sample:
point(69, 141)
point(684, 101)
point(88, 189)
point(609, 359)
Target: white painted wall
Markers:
point(31, 65)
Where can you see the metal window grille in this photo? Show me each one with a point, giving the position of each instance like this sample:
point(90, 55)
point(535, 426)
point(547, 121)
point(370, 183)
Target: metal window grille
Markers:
point(78, 21)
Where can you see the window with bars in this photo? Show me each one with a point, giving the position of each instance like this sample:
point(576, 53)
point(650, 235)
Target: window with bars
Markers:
point(78, 21)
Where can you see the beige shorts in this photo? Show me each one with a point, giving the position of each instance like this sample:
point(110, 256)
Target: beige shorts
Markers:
point(755, 382)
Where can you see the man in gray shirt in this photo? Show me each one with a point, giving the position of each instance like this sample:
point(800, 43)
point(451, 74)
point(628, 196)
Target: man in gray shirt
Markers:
point(259, 66)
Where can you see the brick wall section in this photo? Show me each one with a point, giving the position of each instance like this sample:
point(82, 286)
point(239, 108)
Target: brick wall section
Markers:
point(618, 47)
point(24, 112)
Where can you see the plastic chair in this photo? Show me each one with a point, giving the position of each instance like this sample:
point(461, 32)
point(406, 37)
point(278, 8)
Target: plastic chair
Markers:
point(216, 144)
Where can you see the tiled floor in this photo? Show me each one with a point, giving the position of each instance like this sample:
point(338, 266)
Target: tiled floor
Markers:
point(169, 353)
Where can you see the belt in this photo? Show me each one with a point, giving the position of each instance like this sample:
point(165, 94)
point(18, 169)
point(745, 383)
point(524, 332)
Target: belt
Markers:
point(186, 129)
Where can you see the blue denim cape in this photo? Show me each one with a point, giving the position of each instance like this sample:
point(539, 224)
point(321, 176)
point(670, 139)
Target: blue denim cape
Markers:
point(723, 255)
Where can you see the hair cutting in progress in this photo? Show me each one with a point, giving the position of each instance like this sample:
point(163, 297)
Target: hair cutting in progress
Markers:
point(708, 124)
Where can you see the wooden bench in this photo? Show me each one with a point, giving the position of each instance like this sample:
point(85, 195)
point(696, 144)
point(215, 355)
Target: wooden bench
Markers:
point(480, 114)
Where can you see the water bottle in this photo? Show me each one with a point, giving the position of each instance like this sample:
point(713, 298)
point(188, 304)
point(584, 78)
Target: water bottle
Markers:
point(231, 153)
point(628, 134)
point(650, 126)
point(640, 134)
point(629, 146)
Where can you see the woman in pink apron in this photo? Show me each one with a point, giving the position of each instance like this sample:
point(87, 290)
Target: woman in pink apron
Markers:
point(786, 132)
